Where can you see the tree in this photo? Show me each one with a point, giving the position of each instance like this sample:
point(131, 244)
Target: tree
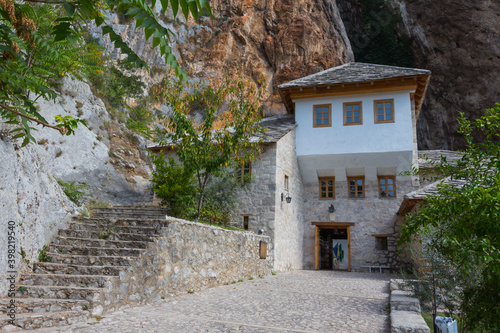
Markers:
point(462, 221)
point(224, 137)
point(42, 40)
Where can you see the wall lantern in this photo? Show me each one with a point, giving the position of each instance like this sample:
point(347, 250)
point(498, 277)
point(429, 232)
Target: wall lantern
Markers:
point(331, 211)
point(288, 197)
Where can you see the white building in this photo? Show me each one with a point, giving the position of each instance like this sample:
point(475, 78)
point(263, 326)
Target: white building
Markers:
point(355, 135)
point(348, 137)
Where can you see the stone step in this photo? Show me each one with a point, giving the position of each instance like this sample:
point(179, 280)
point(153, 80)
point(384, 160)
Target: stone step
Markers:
point(108, 235)
point(140, 222)
point(56, 268)
point(98, 228)
point(88, 260)
point(37, 305)
point(112, 215)
point(90, 242)
point(59, 292)
point(66, 280)
point(131, 209)
point(31, 321)
point(95, 251)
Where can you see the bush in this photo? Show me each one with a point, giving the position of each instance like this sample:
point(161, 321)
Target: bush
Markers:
point(76, 191)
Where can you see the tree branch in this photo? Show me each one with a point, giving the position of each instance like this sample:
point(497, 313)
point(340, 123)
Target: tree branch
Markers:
point(51, 2)
point(61, 130)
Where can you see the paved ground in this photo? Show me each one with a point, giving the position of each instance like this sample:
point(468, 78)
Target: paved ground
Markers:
point(299, 301)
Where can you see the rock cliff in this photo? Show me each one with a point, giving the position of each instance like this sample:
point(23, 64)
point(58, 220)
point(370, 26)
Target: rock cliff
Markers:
point(279, 39)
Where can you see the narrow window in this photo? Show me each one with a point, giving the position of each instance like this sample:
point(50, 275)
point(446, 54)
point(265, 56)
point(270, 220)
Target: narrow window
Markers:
point(356, 187)
point(381, 243)
point(287, 183)
point(353, 113)
point(246, 219)
point(327, 188)
point(322, 115)
point(243, 173)
point(384, 111)
point(386, 186)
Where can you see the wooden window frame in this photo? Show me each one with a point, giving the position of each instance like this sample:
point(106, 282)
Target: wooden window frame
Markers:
point(356, 191)
point(241, 171)
point(246, 218)
point(329, 115)
point(360, 113)
point(375, 111)
point(321, 192)
point(382, 243)
point(286, 182)
point(393, 184)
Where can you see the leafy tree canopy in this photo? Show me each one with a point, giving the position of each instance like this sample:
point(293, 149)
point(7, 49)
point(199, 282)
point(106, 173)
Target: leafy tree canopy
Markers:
point(462, 221)
point(225, 137)
point(43, 40)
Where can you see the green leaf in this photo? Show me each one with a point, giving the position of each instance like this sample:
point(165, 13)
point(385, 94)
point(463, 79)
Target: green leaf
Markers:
point(185, 8)
point(194, 8)
point(69, 8)
point(174, 4)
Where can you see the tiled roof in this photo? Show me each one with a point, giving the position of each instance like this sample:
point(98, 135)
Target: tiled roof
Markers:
point(432, 189)
point(425, 157)
point(352, 73)
point(277, 127)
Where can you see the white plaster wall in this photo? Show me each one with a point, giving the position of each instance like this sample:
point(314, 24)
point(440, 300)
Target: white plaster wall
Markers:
point(368, 137)
point(289, 221)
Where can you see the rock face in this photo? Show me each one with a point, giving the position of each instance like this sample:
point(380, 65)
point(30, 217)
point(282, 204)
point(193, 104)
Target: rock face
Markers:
point(459, 41)
point(279, 39)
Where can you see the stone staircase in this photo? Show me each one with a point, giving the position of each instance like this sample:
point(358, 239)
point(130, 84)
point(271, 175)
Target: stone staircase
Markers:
point(85, 263)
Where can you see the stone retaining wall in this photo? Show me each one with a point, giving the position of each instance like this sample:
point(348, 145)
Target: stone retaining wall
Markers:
point(188, 257)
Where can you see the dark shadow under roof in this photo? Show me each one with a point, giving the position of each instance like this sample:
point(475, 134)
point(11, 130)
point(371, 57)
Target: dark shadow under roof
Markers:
point(352, 73)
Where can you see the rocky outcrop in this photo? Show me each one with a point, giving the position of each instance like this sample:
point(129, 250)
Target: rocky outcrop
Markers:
point(30, 195)
point(459, 41)
point(279, 39)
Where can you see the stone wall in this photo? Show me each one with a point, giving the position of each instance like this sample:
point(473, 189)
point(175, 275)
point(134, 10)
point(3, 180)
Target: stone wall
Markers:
point(371, 215)
point(188, 257)
point(289, 217)
point(256, 199)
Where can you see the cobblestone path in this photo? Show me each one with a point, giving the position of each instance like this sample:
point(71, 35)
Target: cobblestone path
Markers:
point(299, 301)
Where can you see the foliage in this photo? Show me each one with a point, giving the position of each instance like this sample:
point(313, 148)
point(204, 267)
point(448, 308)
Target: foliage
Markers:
point(222, 140)
point(220, 200)
point(173, 184)
point(462, 220)
point(43, 40)
point(379, 42)
point(140, 119)
point(42, 256)
point(76, 191)
point(114, 86)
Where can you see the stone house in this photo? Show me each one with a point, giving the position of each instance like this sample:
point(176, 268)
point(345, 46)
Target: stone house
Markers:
point(330, 180)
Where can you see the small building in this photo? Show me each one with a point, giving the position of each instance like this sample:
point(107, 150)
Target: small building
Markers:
point(331, 178)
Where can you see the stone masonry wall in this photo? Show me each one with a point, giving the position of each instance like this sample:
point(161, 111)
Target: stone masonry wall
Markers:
point(188, 257)
point(257, 199)
point(289, 220)
point(372, 215)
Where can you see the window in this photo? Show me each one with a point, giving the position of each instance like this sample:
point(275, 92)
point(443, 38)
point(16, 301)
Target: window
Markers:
point(322, 115)
point(384, 111)
point(381, 243)
point(244, 173)
point(353, 113)
point(356, 187)
point(286, 184)
point(327, 188)
point(246, 219)
point(386, 186)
